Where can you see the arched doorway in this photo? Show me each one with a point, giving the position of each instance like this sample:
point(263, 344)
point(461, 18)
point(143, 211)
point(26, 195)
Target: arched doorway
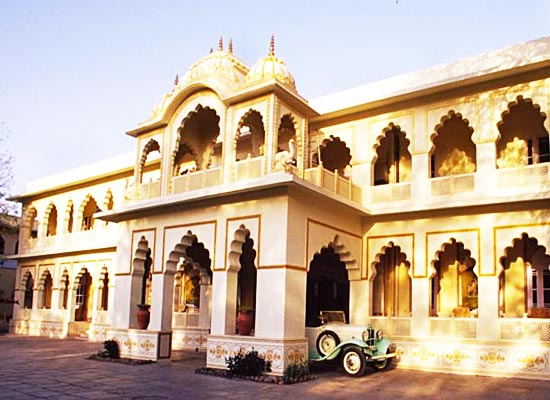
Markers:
point(83, 289)
point(327, 286)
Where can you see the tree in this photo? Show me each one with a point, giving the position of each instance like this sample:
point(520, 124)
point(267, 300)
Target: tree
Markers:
point(6, 174)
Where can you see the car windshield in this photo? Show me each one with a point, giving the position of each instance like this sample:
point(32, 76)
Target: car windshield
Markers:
point(333, 316)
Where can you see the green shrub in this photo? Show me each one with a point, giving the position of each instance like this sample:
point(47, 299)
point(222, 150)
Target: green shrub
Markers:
point(249, 364)
point(294, 372)
point(110, 349)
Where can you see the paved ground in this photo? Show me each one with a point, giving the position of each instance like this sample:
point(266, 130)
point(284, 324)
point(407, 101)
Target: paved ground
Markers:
point(58, 369)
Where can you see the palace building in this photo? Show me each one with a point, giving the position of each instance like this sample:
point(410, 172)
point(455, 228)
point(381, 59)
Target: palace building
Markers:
point(418, 204)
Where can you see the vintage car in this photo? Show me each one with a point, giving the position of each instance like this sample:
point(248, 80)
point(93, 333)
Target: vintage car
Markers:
point(354, 346)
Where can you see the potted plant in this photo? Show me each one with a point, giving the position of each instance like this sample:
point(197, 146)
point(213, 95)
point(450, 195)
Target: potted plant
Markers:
point(143, 312)
point(245, 320)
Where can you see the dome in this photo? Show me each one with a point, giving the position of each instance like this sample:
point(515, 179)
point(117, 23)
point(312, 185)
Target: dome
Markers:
point(271, 67)
point(222, 63)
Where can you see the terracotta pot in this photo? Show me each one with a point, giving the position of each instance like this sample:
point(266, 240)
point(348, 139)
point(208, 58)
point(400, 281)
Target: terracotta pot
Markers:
point(245, 322)
point(143, 316)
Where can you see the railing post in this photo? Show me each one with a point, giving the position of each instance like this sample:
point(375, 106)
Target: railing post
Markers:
point(336, 177)
point(320, 174)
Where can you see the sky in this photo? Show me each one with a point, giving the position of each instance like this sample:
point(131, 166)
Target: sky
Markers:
point(76, 75)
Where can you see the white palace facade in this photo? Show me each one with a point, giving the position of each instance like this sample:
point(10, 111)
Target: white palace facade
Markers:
point(419, 204)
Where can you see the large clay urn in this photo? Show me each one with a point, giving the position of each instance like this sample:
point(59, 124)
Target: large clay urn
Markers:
point(245, 322)
point(143, 316)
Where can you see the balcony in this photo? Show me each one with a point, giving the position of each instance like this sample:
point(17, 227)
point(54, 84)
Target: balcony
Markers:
point(390, 192)
point(197, 180)
point(453, 184)
point(331, 181)
point(536, 174)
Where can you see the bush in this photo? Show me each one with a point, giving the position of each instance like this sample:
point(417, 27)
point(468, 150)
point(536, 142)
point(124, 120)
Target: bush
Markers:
point(249, 364)
point(294, 372)
point(110, 349)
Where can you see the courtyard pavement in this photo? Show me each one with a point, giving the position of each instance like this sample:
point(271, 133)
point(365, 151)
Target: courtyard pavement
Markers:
point(41, 368)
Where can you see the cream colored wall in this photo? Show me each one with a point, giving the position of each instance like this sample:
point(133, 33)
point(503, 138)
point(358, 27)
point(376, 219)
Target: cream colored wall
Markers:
point(482, 110)
point(485, 235)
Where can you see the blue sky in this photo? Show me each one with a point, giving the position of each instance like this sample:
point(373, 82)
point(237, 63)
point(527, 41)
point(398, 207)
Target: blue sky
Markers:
point(75, 75)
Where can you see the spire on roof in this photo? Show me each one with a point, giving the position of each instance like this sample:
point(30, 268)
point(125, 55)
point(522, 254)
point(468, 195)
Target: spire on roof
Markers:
point(220, 44)
point(230, 49)
point(272, 46)
point(176, 80)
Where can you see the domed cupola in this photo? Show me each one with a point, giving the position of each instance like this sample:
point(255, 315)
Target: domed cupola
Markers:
point(271, 67)
point(221, 64)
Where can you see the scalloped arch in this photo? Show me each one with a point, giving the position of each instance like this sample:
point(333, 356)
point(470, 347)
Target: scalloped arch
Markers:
point(25, 278)
point(391, 126)
point(236, 249)
point(519, 101)
point(335, 154)
point(46, 220)
point(108, 200)
point(190, 147)
point(42, 280)
point(30, 213)
point(140, 255)
point(180, 251)
point(529, 245)
point(377, 260)
point(83, 271)
point(342, 252)
point(150, 146)
point(463, 256)
point(444, 119)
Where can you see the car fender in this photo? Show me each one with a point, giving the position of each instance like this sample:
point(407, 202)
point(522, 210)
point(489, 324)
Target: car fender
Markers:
point(338, 349)
point(382, 345)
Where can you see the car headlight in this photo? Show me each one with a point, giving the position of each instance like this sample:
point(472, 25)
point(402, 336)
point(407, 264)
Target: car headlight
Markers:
point(379, 334)
point(365, 335)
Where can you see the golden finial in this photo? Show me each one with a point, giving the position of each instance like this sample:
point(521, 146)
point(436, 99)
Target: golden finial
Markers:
point(176, 80)
point(220, 44)
point(230, 49)
point(211, 50)
point(272, 46)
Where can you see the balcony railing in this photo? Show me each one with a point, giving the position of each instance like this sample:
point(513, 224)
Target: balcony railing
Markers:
point(249, 168)
point(391, 192)
point(524, 329)
point(392, 326)
point(461, 328)
point(197, 180)
point(453, 184)
point(331, 181)
point(523, 176)
point(148, 190)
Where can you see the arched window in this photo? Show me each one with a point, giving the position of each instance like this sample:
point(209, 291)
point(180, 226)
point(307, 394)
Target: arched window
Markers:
point(32, 223)
point(70, 217)
point(64, 290)
point(47, 293)
point(196, 141)
point(523, 138)
point(393, 160)
point(453, 152)
point(52, 221)
point(525, 279)
point(327, 286)
point(250, 137)
point(27, 303)
point(392, 284)
point(83, 295)
point(88, 214)
point(104, 292)
point(454, 284)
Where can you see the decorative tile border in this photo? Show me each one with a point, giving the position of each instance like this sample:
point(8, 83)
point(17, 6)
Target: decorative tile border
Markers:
point(280, 353)
point(189, 338)
point(56, 330)
point(514, 360)
point(142, 344)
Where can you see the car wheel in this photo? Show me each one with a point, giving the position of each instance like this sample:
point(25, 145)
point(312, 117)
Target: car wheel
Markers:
point(354, 362)
point(327, 342)
point(383, 364)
